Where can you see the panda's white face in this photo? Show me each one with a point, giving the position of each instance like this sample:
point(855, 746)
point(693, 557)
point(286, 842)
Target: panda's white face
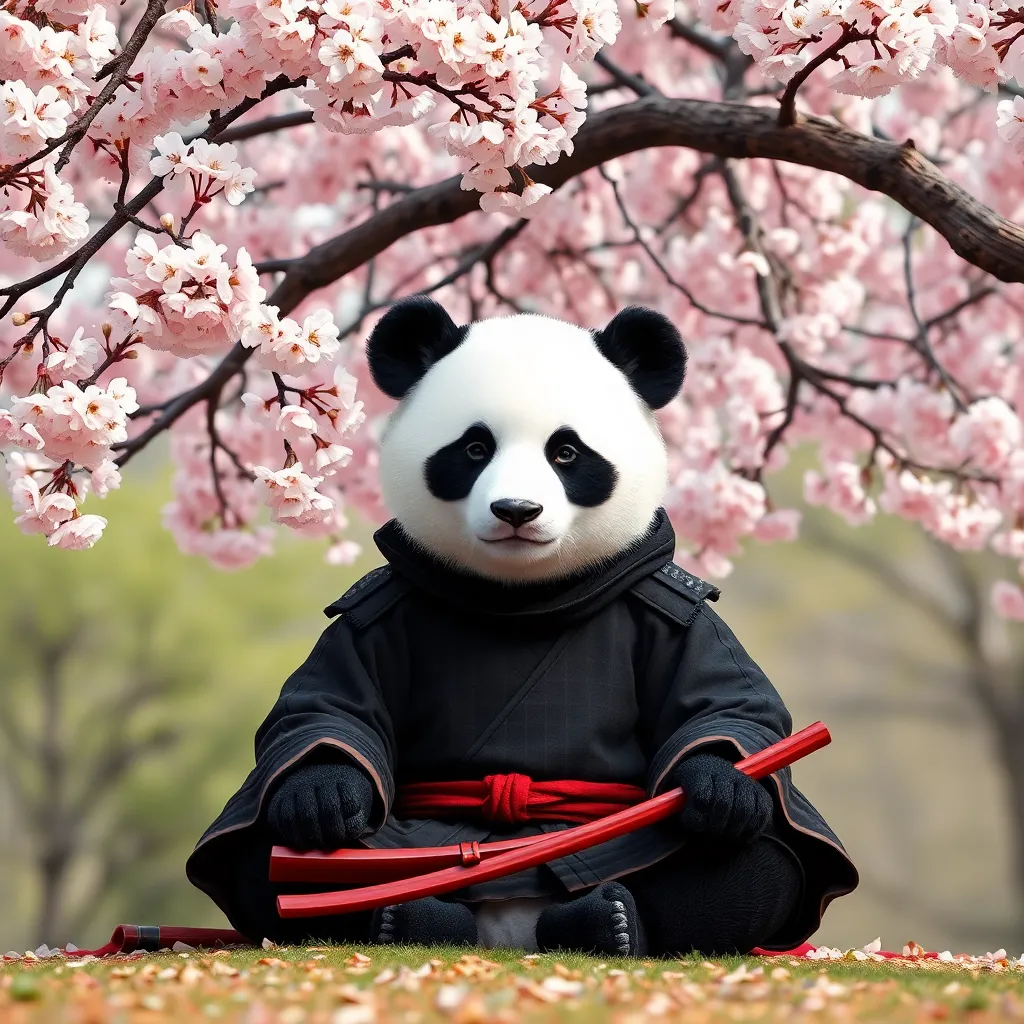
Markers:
point(524, 454)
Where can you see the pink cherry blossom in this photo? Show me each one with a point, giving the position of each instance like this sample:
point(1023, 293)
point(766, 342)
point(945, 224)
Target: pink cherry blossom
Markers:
point(105, 478)
point(842, 489)
point(987, 434)
point(28, 120)
point(295, 423)
point(78, 358)
point(185, 299)
point(292, 496)
point(39, 513)
point(42, 219)
point(78, 533)
point(781, 525)
point(345, 552)
point(1010, 122)
point(1008, 600)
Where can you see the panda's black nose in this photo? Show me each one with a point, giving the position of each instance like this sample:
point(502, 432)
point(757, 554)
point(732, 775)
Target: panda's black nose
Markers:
point(515, 511)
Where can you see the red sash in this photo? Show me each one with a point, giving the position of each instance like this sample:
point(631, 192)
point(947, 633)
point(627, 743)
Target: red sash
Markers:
point(515, 800)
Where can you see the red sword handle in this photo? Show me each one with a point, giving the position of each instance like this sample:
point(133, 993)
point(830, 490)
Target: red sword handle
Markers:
point(550, 847)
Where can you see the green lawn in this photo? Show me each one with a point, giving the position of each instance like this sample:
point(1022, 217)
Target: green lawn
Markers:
point(414, 985)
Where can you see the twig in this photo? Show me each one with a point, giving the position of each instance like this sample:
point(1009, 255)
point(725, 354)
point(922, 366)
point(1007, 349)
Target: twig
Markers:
point(921, 342)
point(959, 307)
point(798, 368)
point(624, 78)
point(771, 306)
point(656, 260)
point(787, 107)
point(265, 125)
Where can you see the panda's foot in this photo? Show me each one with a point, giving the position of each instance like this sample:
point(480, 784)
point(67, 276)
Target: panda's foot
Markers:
point(605, 921)
point(426, 922)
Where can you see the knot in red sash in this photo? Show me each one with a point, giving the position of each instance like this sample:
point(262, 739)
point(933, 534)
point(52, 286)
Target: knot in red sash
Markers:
point(514, 799)
point(507, 799)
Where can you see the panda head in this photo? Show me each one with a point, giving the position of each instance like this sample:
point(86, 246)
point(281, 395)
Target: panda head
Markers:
point(523, 448)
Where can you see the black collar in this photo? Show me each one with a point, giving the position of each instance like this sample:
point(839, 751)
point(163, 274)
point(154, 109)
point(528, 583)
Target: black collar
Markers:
point(567, 599)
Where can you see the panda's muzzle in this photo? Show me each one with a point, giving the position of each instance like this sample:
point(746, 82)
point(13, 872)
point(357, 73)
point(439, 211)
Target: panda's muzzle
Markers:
point(516, 511)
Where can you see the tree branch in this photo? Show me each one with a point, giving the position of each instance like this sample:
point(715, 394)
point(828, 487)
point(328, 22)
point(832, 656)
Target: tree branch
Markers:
point(638, 239)
point(624, 78)
point(787, 104)
point(266, 125)
point(921, 343)
point(713, 46)
point(976, 233)
point(729, 130)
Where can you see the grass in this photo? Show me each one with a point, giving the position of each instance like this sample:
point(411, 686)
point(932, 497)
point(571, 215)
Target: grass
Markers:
point(415, 985)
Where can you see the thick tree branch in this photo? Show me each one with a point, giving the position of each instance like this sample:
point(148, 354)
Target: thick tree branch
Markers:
point(728, 130)
point(976, 233)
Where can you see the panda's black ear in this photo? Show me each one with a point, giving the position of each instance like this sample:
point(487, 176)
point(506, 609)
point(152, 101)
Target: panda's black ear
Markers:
point(408, 339)
point(647, 348)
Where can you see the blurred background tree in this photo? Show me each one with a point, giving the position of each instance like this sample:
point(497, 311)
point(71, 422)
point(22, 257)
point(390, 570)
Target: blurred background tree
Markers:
point(132, 680)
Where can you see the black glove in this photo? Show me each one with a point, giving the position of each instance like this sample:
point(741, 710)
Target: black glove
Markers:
point(722, 804)
point(321, 806)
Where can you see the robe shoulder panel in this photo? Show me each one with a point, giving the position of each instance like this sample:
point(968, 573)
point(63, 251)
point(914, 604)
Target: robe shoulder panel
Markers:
point(369, 598)
point(675, 593)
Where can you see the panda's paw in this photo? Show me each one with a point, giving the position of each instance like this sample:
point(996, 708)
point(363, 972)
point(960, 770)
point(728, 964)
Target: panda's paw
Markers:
point(426, 922)
point(605, 921)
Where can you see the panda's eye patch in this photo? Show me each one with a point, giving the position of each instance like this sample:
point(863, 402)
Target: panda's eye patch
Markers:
point(452, 470)
point(587, 476)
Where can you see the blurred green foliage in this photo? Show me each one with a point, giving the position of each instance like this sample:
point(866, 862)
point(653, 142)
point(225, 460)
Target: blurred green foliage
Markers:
point(135, 666)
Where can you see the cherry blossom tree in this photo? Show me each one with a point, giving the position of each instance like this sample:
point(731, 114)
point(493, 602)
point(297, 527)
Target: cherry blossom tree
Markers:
point(821, 193)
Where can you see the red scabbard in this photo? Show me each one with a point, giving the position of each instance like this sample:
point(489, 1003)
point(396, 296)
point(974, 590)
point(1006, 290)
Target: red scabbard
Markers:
point(382, 865)
point(472, 863)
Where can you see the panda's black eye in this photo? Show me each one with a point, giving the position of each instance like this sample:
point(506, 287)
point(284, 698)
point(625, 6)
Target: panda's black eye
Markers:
point(566, 454)
point(477, 451)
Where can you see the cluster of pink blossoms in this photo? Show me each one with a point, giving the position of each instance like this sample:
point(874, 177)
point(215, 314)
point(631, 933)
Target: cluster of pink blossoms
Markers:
point(185, 299)
point(875, 47)
point(64, 427)
point(216, 517)
point(47, 76)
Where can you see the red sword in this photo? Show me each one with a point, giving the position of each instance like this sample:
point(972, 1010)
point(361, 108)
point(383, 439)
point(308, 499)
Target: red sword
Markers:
point(473, 863)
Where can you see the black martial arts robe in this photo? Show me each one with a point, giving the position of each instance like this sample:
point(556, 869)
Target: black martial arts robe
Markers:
point(429, 674)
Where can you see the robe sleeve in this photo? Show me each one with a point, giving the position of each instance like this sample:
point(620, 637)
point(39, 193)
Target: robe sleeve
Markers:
point(713, 696)
point(331, 700)
point(706, 693)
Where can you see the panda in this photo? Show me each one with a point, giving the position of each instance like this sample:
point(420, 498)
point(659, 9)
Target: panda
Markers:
point(528, 658)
